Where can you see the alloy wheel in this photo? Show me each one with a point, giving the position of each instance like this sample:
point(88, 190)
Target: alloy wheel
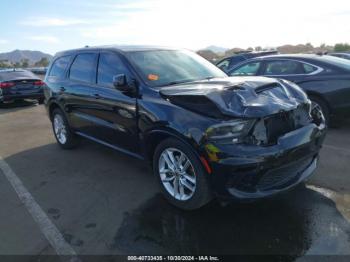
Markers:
point(60, 129)
point(177, 174)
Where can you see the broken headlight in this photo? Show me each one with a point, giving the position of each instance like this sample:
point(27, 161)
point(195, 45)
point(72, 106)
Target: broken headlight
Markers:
point(229, 132)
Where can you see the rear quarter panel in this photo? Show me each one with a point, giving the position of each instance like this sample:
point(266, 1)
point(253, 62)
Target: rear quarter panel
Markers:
point(335, 90)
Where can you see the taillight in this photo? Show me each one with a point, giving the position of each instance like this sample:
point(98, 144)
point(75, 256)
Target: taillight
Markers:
point(39, 83)
point(6, 84)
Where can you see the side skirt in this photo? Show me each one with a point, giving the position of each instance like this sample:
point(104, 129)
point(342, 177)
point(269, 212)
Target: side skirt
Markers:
point(110, 146)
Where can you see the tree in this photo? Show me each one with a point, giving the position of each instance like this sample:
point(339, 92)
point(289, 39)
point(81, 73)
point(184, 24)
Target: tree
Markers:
point(258, 48)
point(309, 45)
point(3, 64)
point(341, 47)
point(25, 63)
point(43, 62)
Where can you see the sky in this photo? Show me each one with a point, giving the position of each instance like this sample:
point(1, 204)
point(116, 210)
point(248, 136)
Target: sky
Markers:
point(51, 26)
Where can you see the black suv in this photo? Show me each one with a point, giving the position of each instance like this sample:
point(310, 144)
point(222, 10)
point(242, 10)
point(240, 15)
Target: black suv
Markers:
point(204, 133)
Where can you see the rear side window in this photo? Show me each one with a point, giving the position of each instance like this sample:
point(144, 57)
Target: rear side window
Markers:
point(109, 65)
point(59, 66)
point(84, 68)
point(283, 67)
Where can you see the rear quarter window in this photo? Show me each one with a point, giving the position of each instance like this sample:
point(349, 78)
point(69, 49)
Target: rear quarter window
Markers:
point(309, 68)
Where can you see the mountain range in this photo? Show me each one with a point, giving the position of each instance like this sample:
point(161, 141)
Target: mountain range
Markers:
point(216, 49)
point(20, 55)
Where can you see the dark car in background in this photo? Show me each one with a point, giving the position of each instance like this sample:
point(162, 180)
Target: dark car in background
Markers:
point(18, 84)
point(341, 55)
point(38, 70)
point(229, 62)
point(205, 134)
point(326, 79)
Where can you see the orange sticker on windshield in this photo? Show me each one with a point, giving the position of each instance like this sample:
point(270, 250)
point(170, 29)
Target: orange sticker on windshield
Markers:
point(153, 77)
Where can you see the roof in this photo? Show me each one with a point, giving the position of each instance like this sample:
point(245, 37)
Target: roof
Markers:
point(120, 48)
point(11, 70)
point(291, 56)
point(338, 53)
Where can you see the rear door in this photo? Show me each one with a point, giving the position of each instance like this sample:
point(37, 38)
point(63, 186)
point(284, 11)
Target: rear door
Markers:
point(114, 113)
point(79, 94)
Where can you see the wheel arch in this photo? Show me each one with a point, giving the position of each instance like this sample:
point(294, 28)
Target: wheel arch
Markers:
point(156, 136)
point(321, 97)
point(52, 106)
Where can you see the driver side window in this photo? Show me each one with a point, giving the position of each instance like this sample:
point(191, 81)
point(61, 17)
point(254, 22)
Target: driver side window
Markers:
point(109, 65)
point(250, 69)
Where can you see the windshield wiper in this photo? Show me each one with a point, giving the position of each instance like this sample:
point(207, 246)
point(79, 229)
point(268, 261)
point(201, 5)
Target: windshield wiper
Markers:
point(179, 82)
point(188, 81)
point(209, 77)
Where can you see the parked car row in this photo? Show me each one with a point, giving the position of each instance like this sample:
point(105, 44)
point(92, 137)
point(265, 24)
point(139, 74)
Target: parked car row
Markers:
point(341, 55)
point(326, 79)
point(205, 134)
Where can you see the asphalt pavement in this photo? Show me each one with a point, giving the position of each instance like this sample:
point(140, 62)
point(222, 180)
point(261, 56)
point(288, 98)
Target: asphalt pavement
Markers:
point(94, 200)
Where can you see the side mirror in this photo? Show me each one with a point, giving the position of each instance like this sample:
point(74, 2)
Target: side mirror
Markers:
point(120, 82)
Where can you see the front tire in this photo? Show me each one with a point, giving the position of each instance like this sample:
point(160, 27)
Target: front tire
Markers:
point(181, 176)
point(62, 131)
point(41, 101)
point(321, 105)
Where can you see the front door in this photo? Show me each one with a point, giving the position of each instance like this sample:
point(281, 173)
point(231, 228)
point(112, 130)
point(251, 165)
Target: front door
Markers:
point(114, 116)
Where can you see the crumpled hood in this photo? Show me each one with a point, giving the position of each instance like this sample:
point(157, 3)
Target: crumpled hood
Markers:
point(237, 96)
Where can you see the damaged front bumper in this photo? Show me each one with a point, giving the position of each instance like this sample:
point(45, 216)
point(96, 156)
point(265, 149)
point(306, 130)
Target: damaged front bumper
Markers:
point(254, 171)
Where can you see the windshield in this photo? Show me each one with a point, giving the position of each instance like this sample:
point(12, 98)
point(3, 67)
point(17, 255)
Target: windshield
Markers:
point(166, 67)
point(336, 61)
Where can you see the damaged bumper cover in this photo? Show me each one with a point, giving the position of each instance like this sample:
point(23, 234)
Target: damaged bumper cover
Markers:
point(251, 171)
point(266, 137)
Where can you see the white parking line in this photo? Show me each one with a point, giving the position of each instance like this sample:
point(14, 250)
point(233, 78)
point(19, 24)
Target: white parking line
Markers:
point(46, 226)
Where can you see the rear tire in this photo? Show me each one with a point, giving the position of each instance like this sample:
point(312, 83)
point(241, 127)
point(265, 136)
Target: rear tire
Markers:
point(189, 189)
point(62, 131)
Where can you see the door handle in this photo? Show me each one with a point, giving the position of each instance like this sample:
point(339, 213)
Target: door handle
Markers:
point(97, 96)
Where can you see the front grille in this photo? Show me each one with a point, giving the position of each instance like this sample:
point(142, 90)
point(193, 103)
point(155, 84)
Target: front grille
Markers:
point(269, 129)
point(282, 175)
point(278, 125)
